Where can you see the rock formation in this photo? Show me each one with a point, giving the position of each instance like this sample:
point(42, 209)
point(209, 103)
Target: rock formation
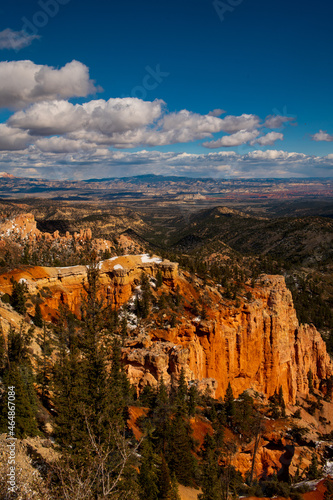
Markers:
point(23, 227)
point(258, 345)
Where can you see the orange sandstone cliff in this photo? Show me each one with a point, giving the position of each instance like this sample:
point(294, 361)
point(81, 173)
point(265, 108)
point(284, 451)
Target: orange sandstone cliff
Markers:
point(258, 345)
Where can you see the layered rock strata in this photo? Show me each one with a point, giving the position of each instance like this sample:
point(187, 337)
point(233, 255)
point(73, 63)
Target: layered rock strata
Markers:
point(258, 345)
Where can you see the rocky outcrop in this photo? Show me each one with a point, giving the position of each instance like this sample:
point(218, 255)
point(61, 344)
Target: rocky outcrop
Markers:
point(257, 345)
point(23, 227)
point(118, 278)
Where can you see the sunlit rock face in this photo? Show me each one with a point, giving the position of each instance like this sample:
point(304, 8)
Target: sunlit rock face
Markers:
point(258, 345)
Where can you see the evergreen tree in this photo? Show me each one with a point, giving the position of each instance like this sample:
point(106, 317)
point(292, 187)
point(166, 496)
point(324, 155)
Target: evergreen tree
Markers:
point(44, 362)
point(38, 318)
point(18, 297)
point(193, 398)
point(159, 279)
point(181, 394)
point(67, 385)
point(18, 373)
point(210, 483)
point(168, 489)
point(179, 454)
point(313, 471)
point(161, 417)
point(229, 402)
point(148, 477)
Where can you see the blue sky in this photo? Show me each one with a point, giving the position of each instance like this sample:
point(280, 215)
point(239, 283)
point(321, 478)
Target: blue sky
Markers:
point(234, 88)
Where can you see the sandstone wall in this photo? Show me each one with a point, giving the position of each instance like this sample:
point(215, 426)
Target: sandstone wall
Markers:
point(259, 345)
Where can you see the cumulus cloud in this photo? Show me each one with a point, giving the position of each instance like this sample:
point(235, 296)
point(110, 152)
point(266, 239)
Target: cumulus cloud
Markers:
point(322, 136)
point(15, 40)
point(276, 121)
point(23, 82)
point(101, 162)
point(97, 120)
point(47, 118)
point(232, 124)
point(273, 154)
point(241, 137)
point(268, 139)
point(61, 145)
point(12, 139)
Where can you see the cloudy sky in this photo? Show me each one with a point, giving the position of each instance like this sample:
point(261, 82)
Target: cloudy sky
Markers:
point(234, 88)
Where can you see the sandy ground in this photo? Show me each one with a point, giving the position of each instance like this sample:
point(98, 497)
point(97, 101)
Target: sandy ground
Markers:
point(188, 493)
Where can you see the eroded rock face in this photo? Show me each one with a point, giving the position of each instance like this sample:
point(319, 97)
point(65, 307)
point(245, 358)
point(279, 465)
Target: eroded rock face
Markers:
point(259, 345)
point(23, 228)
point(58, 285)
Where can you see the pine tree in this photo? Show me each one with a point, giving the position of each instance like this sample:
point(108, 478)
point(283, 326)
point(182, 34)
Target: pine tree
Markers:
point(148, 477)
point(229, 402)
point(18, 373)
point(179, 454)
point(193, 398)
point(181, 394)
point(18, 298)
point(44, 372)
point(38, 318)
point(161, 417)
point(167, 484)
point(313, 471)
point(159, 279)
point(210, 483)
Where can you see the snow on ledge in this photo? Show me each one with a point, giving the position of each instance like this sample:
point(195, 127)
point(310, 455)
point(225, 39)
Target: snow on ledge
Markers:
point(118, 266)
point(145, 258)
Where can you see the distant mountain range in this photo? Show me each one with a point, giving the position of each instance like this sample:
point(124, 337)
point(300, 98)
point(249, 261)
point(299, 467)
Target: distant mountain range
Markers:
point(152, 186)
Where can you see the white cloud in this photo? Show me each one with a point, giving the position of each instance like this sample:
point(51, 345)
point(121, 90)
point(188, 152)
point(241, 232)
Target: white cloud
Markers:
point(47, 118)
point(232, 124)
point(23, 82)
point(15, 40)
point(216, 112)
point(322, 136)
point(61, 145)
point(276, 121)
point(12, 139)
point(101, 162)
point(241, 137)
point(268, 139)
point(122, 121)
